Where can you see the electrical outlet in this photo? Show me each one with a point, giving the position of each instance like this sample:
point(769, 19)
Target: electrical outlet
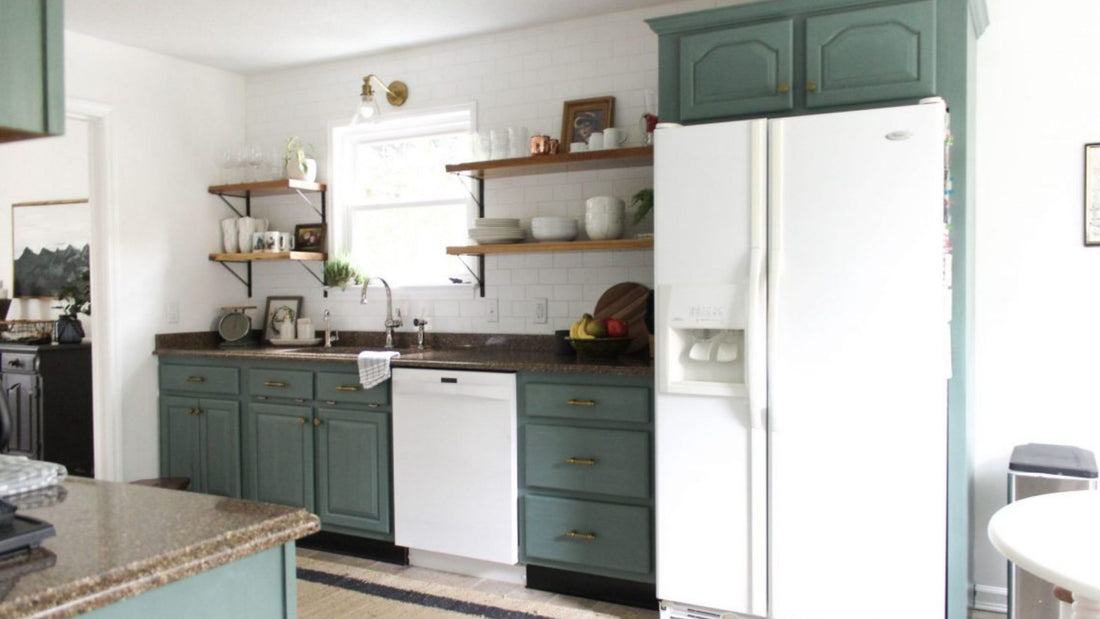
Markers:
point(492, 313)
point(172, 312)
point(540, 310)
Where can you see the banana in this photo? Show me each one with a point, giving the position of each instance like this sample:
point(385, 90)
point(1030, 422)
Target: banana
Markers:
point(582, 327)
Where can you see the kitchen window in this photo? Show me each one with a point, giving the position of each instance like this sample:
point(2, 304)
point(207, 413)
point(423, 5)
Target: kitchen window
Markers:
point(396, 209)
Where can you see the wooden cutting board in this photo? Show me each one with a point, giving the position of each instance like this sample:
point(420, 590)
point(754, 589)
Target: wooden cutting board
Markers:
point(626, 301)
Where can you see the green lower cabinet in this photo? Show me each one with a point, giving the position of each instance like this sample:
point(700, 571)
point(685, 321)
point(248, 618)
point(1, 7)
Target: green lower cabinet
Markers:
point(200, 440)
point(588, 534)
point(279, 454)
point(353, 470)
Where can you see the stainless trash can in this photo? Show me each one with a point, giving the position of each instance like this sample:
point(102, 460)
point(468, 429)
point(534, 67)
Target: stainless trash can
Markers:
point(1036, 469)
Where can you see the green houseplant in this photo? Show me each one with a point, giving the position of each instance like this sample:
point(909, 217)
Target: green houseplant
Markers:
point(339, 272)
point(299, 161)
point(642, 203)
point(76, 299)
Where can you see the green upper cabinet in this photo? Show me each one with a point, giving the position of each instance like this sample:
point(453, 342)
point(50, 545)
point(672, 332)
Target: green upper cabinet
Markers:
point(873, 54)
point(794, 56)
point(738, 70)
point(32, 96)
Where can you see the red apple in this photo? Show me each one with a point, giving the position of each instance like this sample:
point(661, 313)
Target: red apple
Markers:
point(617, 328)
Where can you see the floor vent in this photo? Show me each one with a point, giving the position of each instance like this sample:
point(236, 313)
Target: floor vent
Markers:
point(670, 610)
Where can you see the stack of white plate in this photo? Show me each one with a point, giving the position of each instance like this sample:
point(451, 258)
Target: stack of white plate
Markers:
point(488, 230)
point(553, 228)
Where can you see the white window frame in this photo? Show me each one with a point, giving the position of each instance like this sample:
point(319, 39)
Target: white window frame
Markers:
point(461, 117)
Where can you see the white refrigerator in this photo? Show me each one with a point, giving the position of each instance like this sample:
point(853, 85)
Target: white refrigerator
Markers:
point(802, 365)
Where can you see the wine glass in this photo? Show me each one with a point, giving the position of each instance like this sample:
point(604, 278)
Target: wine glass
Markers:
point(254, 158)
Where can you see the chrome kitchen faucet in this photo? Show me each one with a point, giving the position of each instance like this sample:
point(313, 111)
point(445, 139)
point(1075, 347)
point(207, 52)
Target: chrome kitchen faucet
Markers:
point(391, 322)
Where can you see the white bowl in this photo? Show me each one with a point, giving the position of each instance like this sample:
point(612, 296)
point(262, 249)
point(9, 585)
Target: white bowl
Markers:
point(496, 222)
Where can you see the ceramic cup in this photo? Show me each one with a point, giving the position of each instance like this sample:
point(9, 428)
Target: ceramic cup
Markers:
point(577, 147)
point(603, 217)
point(305, 329)
point(595, 140)
point(613, 138)
point(272, 240)
point(246, 226)
point(230, 242)
point(286, 241)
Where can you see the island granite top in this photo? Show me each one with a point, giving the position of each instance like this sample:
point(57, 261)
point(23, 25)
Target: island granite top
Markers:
point(115, 541)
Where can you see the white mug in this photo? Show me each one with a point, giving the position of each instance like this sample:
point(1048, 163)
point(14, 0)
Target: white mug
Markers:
point(286, 241)
point(286, 330)
point(230, 242)
point(613, 137)
point(603, 217)
point(577, 147)
point(595, 140)
point(246, 226)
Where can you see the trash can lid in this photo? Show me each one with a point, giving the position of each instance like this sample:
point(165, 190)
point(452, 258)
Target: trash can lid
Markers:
point(1053, 460)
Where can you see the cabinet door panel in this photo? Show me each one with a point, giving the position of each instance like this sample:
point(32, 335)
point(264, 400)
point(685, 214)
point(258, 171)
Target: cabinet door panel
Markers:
point(613, 462)
point(871, 54)
point(353, 473)
point(736, 71)
point(280, 454)
point(21, 390)
point(180, 440)
point(221, 447)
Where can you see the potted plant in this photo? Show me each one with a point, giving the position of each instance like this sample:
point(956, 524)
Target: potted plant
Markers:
point(339, 272)
point(642, 203)
point(77, 300)
point(299, 161)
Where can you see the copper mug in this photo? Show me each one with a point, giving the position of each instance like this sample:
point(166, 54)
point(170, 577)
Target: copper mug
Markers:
point(555, 146)
point(540, 144)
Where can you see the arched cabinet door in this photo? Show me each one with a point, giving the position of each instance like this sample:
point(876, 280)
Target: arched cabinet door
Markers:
point(736, 71)
point(874, 54)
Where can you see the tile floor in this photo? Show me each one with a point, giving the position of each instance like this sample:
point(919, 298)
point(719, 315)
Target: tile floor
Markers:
point(513, 590)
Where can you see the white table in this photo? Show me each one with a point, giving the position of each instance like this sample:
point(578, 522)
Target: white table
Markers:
point(1056, 537)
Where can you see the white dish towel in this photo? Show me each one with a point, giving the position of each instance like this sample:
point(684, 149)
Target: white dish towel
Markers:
point(374, 366)
point(21, 474)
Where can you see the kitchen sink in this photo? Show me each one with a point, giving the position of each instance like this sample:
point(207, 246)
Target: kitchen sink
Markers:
point(340, 350)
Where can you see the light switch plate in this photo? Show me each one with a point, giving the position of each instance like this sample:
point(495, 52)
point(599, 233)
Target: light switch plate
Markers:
point(540, 310)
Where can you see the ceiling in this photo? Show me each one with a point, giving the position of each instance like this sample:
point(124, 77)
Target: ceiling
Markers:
point(252, 36)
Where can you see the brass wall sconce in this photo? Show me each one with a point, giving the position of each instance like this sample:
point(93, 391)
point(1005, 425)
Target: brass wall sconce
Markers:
point(396, 93)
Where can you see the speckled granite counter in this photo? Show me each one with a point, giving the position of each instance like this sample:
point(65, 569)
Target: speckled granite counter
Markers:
point(115, 541)
point(515, 353)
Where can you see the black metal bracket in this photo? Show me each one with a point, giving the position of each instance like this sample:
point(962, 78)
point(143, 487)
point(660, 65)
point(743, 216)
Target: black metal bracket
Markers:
point(247, 280)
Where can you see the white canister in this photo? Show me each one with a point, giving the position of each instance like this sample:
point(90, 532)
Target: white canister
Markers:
point(595, 140)
point(603, 217)
point(305, 329)
point(245, 227)
point(230, 242)
point(613, 137)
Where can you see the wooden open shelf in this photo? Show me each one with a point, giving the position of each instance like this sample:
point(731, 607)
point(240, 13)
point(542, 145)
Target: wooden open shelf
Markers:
point(268, 255)
point(635, 156)
point(544, 246)
point(267, 188)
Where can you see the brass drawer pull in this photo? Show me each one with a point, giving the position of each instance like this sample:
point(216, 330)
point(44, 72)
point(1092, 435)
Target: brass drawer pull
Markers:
point(302, 421)
point(192, 411)
point(349, 387)
point(784, 88)
point(195, 379)
point(276, 383)
point(811, 86)
point(317, 422)
point(588, 537)
point(584, 461)
point(581, 402)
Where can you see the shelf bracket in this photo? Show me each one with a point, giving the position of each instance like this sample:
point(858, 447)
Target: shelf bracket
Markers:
point(230, 205)
point(247, 280)
point(319, 211)
point(315, 276)
point(479, 275)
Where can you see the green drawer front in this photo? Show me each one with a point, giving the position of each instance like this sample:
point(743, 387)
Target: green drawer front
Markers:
point(600, 402)
point(614, 462)
point(588, 534)
point(297, 384)
point(200, 379)
point(345, 387)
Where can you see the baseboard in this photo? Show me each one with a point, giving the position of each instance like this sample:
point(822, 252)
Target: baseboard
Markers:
point(468, 567)
point(990, 599)
point(615, 590)
point(363, 547)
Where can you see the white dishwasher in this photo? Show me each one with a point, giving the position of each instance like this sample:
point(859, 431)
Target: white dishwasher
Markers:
point(454, 463)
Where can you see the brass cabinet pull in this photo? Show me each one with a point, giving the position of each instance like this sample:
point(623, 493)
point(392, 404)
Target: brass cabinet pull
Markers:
point(194, 411)
point(348, 387)
point(588, 537)
point(276, 383)
point(581, 402)
point(195, 379)
point(811, 86)
point(784, 88)
point(317, 422)
point(373, 405)
point(302, 421)
point(584, 461)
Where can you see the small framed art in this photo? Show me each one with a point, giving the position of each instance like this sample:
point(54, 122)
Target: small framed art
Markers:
point(280, 310)
point(582, 117)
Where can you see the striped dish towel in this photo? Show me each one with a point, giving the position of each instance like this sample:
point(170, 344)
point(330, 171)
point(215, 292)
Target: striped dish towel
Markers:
point(21, 474)
point(374, 366)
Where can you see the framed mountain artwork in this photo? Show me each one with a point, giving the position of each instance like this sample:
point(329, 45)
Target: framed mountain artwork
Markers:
point(50, 246)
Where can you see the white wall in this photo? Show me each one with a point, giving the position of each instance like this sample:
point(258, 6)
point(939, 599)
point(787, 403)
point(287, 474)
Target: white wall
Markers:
point(1037, 287)
point(168, 120)
point(516, 78)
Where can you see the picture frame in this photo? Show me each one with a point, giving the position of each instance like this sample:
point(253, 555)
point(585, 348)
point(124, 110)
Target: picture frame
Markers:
point(309, 237)
point(279, 309)
point(581, 117)
point(50, 246)
point(1092, 194)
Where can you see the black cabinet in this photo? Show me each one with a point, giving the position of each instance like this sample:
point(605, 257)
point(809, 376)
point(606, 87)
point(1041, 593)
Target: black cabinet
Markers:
point(49, 393)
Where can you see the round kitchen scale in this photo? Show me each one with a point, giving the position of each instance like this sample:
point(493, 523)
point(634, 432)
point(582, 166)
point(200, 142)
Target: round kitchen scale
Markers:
point(235, 327)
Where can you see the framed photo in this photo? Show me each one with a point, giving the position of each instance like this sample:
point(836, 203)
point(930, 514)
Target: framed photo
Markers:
point(50, 244)
point(309, 237)
point(582, 117)
point(1092, 194)
point(280, 310)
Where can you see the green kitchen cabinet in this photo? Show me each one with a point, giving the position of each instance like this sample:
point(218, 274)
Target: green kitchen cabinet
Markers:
point(793, 56)
point(200, 440)
point(32, 96)
point(353, 469)
point(278, 448)
point(737, 70)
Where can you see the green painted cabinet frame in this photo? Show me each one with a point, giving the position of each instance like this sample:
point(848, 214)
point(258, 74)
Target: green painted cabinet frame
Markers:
point(200, 440)
point(32, 63)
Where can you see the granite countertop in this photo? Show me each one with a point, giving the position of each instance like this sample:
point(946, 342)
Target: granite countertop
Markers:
point(117, 540)
point(513, 353)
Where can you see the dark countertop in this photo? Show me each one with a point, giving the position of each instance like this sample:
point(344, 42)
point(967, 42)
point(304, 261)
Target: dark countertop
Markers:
point(117, 540)
point(511, 353)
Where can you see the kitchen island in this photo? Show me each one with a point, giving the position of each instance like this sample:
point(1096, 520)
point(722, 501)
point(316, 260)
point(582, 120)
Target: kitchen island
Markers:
point(126, 550)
